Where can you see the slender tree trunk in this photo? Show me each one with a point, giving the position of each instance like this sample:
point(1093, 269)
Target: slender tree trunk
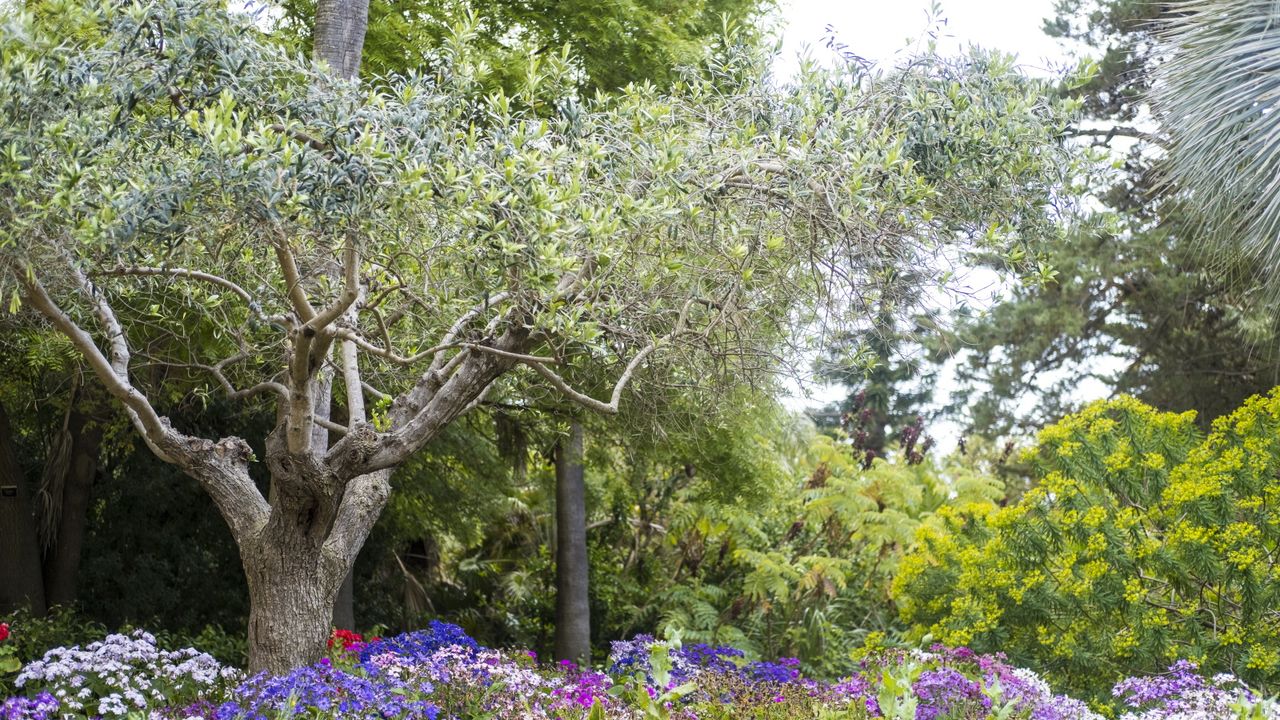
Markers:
point(573, 613)
point(21, 583)
point(62, 558)
point(339, 34)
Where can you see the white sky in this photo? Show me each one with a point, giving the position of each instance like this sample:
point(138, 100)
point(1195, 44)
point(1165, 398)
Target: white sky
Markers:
point(878, 30)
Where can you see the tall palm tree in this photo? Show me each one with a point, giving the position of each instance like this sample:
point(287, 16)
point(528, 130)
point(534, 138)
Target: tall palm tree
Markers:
point(1217, 94)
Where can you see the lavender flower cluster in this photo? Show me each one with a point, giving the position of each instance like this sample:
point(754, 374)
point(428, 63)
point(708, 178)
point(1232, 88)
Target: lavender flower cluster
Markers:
point(440, 673)
point(941, 685)
point(1184, 694)
point(118, 675)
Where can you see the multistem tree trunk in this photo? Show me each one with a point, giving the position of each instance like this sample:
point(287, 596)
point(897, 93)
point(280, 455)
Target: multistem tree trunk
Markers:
point(291, 594)
point(296, 565)
point(573, 612)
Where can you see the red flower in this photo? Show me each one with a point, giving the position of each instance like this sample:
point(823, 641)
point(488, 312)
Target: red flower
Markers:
point(4, 631)
point(346, 638)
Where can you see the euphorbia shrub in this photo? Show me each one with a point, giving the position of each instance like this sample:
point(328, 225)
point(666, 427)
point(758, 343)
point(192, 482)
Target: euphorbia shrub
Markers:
point(1143, 543)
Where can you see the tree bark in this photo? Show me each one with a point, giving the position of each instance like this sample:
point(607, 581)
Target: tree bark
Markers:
point(296, 566)
point(62, 558)
point(339, 34)
point(344, 606)
point(291, 594)
point(21, 581)
point(297, 562)
point(344, 614)
point(573, 612)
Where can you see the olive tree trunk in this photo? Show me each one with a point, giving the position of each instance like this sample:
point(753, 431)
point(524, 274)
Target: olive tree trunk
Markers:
point(573, 612)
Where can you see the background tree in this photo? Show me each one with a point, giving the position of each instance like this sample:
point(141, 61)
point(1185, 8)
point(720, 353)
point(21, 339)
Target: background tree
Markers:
point(889, 381)
point(1138, 306)
point(51, 443)
point(609, 44)
point(573, 610)
point(806, 575)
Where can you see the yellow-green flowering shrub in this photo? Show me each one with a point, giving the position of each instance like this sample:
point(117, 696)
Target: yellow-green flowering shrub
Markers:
point(1143, 542)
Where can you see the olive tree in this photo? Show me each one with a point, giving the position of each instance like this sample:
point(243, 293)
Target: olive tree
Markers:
point(182, 199)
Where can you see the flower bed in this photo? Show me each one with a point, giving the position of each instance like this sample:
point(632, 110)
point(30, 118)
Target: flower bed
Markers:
point(440, 673)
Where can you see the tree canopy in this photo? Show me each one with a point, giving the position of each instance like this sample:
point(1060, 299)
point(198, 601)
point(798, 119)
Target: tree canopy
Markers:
point(609, 44)
point(184, 199)
point(1140, 305)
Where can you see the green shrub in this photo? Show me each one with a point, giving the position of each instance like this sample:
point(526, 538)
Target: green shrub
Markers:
point(1142, 543)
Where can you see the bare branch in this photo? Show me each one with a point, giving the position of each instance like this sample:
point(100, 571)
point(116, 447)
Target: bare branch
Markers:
point(302, 137)
point(254, 306)
point(466, 318)
point(615, 398)
point(351, 379)
point(587, 401)
point(113, 371)
point(362, 503)
point(439, 397)
point(528, 359)
point(350, 289)
point(221, 467)
point(1107, 134)
point(330, 425)
point(293, 281)
point(375, 391)
point(218, 371)
point(350, 335)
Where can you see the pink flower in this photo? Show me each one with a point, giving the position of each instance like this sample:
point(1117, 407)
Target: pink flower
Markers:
point(4, 631)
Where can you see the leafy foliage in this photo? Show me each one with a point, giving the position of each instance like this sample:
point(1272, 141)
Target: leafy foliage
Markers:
point(526, 203)
point(1143, 542)
point(609, 44)
point(1139, 305)
point(1216, 90)
point(808, 575)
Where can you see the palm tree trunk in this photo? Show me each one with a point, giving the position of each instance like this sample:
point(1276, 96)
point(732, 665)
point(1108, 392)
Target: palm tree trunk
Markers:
point(573, 612)
point(339, 34)
point(62, 558)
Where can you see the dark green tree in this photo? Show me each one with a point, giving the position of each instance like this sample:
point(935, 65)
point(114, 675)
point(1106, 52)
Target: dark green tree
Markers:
point(889, 379)
point(1138, 304)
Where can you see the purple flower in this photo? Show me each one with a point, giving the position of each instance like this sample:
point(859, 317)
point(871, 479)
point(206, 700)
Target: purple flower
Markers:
point(325, 689)
point(123, 674)
point(946, 692)
point(41, 707)
point(1183, 693)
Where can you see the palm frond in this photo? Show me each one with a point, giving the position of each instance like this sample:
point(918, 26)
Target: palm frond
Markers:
point(1217, 95)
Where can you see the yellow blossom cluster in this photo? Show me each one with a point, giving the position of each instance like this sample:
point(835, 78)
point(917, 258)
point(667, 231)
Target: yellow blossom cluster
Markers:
point(1143, 540)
